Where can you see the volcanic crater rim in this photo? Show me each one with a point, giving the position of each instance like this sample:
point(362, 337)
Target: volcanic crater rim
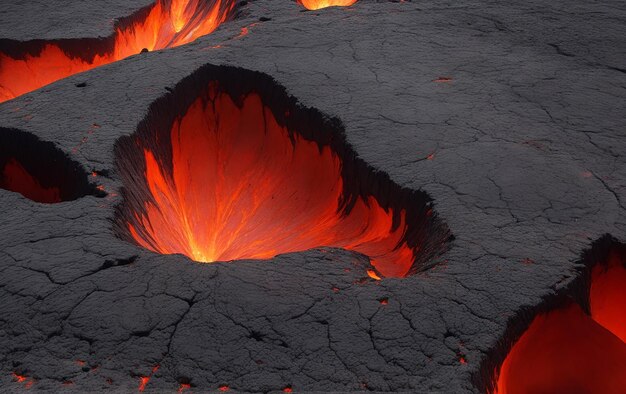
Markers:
point(424, 233)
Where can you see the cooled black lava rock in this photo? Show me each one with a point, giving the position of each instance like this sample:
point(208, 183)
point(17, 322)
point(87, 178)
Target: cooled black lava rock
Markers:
point(521, 152)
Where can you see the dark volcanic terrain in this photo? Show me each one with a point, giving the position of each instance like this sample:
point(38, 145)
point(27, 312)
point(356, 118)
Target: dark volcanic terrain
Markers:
point(504, 121)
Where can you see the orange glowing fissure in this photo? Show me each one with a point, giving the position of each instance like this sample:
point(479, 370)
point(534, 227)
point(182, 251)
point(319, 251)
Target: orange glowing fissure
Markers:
point(317, 4)
point(169, 23)
point(567, 351)
point(243, 187)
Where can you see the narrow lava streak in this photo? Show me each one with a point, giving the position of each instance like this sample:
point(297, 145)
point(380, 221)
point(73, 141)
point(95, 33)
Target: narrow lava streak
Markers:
point(167, 24)
point(143, 381)
point(16, 178)
point(243, 187)
point(317, 4)
point(568, 351)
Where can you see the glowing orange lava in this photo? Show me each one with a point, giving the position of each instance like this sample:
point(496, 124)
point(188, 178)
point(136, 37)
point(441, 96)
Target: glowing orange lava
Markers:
point(15, 178)
point(567, 351)
point(317, 4)
point(241, 186)
point(169, 23)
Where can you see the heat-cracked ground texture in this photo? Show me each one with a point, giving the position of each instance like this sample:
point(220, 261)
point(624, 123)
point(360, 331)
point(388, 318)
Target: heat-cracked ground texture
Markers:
point(491, 135)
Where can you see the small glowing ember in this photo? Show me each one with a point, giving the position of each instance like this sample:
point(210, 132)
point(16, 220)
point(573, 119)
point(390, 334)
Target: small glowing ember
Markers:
point(183, 387)
point(317, 4)
point(224, 388)
point(169, 23)
point(608, 294)
point(372, 274)
point(241, 186)
point(143, 381)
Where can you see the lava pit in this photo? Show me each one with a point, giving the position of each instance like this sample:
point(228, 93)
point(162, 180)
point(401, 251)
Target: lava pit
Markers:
point(567, 350)
point(317, 4)
point(28, 65)
point(40, 171)
point(228, 166)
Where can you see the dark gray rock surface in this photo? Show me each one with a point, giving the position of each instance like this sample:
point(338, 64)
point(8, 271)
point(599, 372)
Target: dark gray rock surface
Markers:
point(528, 141)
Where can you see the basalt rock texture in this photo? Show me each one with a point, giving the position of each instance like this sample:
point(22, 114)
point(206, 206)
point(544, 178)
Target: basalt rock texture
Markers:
point(500, 127)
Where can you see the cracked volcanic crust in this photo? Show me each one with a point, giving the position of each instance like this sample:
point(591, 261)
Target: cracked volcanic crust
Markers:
point(507, 115)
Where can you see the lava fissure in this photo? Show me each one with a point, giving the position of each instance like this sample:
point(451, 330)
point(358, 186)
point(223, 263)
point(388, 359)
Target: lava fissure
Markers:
point(40, 171)
point(228, 166)
point(574, 341)
point(28, 65)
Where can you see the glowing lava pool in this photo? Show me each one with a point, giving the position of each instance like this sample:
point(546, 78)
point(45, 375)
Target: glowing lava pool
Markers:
point(239, 171)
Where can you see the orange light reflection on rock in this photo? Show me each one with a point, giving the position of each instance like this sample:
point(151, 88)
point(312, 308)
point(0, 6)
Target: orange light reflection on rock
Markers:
point(243, 187)
point(168, 24)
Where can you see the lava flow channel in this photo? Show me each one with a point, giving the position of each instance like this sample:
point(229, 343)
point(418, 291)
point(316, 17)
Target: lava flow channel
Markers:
point(317, 4)
point(27, 66)
point(568, 351)
point(236, 184)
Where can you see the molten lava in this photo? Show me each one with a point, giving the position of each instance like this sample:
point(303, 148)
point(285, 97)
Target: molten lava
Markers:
point(317, 4)
point(239, 185)
point(567, 351)
point(15, 178)
point(169, 23)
